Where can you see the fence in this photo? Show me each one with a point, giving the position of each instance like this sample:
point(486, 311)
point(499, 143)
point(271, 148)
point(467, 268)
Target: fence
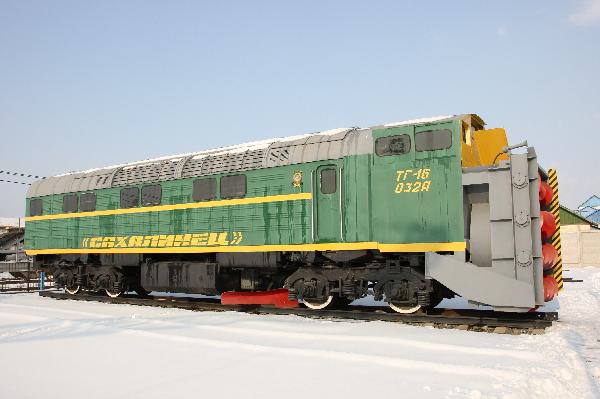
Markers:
point(13, 285)
point(580, 245)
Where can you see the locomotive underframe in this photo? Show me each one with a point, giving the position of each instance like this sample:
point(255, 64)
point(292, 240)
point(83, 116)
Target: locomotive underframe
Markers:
point(396, 278)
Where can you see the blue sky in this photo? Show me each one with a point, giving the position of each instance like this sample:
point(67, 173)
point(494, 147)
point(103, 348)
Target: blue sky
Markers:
point(88, 84)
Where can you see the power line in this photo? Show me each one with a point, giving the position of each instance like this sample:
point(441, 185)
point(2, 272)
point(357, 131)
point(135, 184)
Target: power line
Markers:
point(25, 175)
point(15, 182)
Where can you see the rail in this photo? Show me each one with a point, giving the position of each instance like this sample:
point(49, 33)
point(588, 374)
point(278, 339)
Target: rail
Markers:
point(475, 320)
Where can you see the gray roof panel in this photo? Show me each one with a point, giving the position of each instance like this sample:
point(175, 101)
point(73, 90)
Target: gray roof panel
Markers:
point(331, 144)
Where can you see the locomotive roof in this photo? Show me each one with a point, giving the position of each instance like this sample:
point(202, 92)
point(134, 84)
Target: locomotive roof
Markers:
point(329, 144)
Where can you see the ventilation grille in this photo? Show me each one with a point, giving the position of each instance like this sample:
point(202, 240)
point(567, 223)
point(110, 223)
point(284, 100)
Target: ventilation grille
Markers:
point(224, 163)
point(278, 155)
point(159, 171)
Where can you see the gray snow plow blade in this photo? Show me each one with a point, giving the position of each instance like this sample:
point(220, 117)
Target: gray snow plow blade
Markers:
point(502, 231)
point(482, 285)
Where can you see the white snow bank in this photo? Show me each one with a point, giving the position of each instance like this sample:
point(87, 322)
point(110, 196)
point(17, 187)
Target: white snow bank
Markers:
point(120, 351)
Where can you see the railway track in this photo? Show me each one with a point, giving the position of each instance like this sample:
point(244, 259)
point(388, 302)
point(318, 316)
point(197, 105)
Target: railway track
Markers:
point(475, 320)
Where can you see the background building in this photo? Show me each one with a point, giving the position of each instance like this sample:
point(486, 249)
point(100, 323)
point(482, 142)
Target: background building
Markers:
point(590, 209)
point(580, 237)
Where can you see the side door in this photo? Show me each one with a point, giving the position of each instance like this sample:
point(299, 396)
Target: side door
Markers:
point(395, 207)
point(417, 184)
point(328, 204)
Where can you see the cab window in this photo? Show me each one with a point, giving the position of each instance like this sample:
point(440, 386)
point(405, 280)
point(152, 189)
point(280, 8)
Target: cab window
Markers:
point(392, 145)
point(433, 140)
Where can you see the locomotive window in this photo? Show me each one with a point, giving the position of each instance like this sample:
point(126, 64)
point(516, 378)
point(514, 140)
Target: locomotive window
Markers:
point(151, 195)
point(328, 181)
point(36, 207)
point(392, 145)
point(87, 202)
point(233, 186)
point(70, 203)
point(130, 197)
point(204, 189)
point(433, 140)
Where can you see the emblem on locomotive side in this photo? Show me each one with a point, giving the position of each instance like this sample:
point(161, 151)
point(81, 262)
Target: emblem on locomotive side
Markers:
point(297, 178)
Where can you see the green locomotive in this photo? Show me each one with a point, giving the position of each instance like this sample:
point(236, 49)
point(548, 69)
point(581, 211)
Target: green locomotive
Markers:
point(413, 211)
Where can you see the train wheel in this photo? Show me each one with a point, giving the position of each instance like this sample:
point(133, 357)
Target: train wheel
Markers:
point(316, 305)
point(72, 290)
point(404, 309)
point(117, 283)
point(114, 293)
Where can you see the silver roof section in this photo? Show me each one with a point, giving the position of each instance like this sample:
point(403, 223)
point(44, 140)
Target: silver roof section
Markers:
point(330, 144)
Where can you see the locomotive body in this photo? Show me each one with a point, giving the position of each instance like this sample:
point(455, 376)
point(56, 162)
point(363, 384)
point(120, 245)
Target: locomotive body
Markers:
point(413, 212)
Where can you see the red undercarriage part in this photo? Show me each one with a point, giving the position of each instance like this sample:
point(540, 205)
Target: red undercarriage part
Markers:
point(279, 298)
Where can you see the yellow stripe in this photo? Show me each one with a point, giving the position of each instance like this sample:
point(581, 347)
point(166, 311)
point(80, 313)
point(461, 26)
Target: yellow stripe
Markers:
point(336, 246)
point(192, 205)
point(423, 247)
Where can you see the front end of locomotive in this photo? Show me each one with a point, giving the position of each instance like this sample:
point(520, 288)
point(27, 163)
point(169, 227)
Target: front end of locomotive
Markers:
point(512, 260)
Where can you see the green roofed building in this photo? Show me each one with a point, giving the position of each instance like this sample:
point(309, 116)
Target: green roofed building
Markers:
point(568, 217)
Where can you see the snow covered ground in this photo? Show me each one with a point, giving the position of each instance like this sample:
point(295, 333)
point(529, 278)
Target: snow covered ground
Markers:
point(60, 349)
